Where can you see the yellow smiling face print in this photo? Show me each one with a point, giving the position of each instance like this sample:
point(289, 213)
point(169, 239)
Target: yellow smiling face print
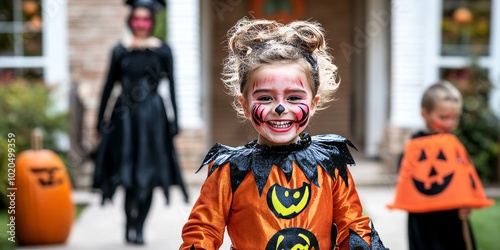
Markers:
point(287, 203)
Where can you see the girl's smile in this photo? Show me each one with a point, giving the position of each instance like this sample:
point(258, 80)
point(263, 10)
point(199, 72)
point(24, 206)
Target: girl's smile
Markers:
point(280, 125)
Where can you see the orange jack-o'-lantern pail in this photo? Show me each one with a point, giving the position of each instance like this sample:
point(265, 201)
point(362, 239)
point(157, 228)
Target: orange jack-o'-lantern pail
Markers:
point(437, 174)
point(44, 208)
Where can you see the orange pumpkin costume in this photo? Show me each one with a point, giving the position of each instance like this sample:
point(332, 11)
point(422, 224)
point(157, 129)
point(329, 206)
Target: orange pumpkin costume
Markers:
point(311, 202)
point(437, 174)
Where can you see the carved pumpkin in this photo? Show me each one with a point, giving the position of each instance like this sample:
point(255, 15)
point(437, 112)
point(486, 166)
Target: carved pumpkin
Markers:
point(44, 209)
point(437, 174)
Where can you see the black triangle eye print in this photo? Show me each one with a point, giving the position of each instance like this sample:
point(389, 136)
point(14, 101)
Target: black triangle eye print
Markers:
point(441, 155)
point(422, 157)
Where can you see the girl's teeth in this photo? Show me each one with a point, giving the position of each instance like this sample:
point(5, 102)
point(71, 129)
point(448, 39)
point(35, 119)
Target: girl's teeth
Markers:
point(280, 124)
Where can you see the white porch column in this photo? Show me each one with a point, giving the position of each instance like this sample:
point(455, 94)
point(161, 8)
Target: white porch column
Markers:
point(184, 38)
point(409, 68)
point(55, 49)
point(378, 17)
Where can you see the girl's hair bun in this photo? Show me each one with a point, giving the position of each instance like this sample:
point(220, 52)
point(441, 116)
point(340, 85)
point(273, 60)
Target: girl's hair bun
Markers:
point(247, 34)
point(307, 35)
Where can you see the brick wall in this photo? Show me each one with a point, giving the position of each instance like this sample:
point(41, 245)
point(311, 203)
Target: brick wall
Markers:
point(94, 27)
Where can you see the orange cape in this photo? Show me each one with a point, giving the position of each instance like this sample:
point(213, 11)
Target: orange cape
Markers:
point(437, 174)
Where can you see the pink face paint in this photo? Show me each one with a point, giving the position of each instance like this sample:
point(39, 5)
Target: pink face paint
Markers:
point(257, 114)
point(141, 23)
point(264, 81)
point(303, 116)
point(277, 79)
point(437, 124)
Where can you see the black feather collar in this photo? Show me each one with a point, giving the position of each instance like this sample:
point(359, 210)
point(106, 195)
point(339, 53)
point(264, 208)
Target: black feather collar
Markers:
point(329, 151)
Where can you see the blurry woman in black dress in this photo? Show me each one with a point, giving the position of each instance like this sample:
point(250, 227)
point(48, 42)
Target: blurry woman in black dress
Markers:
point(136, 149)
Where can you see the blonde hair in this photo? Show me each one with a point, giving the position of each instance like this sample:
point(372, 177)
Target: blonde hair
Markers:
point(253, 43)
point(441, 91)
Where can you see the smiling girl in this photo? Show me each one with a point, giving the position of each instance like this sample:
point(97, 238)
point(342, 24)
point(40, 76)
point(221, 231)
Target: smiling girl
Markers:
point(285, 190)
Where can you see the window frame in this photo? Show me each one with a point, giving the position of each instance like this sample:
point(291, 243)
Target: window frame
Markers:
point(436, 61)
point(54, 58)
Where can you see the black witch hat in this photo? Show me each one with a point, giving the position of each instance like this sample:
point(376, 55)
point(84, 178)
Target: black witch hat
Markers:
point(152, 5)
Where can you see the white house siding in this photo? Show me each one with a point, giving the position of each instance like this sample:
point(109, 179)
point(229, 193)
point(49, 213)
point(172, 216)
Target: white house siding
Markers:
point(377, 82)
point(495, 70)
point(184, 39)
point(56, 70)
point(407, 61)
point(55, 45)
point(411, 41)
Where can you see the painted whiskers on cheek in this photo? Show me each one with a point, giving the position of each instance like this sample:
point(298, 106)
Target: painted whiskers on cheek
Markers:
point(257, 114)
point(303, 117)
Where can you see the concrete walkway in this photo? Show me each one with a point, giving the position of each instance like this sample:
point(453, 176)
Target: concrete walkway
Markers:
point(103, 227)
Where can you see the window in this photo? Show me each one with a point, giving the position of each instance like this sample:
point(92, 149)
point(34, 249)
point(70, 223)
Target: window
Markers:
point(465, 27)
point(467, 32)
point(469, 35)
point(21, 35)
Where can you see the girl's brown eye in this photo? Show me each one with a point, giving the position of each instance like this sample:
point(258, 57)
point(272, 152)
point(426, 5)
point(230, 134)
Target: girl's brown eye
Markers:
point(264, 98)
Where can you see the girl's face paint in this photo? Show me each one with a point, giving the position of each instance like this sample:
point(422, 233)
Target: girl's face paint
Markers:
point(279, 84)
point(443, 118)
point(141, 22)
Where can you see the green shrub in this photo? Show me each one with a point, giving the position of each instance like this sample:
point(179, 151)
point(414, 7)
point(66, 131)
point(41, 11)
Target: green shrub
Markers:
point(25, 106)
point(160, 28)
point(3, 169)
point(479, 128)
point(5, 244)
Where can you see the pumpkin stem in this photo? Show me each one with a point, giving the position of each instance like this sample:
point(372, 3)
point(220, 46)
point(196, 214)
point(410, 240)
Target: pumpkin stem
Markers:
point(36, 139)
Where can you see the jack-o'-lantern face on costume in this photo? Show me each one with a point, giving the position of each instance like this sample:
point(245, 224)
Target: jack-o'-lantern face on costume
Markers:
point(279, 101)
point(287, 203)
point(437, 174)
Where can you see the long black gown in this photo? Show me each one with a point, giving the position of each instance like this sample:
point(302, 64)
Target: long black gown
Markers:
point(136, 148)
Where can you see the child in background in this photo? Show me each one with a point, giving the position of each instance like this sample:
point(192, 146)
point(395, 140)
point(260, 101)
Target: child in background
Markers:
point(286, 190)
point(437, 183)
